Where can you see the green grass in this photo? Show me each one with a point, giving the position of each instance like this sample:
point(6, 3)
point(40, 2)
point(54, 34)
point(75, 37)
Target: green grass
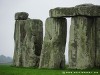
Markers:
point(9, 70)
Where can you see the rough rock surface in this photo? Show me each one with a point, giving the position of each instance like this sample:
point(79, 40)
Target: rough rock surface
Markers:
point(21, 16)
point(82, 43)
point(52, 54)
point(83, 10)
point(88, 10)
point(97, 42)
point(28, 42)
point(62, 12)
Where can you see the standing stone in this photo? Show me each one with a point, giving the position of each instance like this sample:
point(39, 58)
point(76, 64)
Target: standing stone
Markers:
point(32, 44)
point(17, 50)
point(97, 42)
point(28, 42)
point(82, 43)
point(52, 54)
point(72, 53)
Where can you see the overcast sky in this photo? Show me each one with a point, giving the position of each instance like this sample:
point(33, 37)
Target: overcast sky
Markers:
point(37, 9)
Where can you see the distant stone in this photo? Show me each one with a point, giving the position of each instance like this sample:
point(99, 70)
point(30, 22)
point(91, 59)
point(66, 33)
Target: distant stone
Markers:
point(28, 42)
point(21, 16)
point(52, 54)
point(79, 10)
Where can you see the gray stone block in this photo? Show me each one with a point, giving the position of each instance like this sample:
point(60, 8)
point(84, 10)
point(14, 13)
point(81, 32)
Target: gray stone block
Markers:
point(88, 10)
point(53, 49)
point(82, 43)
point(21, 16)
point(97, 36)
point(28, 38)
point(79, 10)
point(62, 12)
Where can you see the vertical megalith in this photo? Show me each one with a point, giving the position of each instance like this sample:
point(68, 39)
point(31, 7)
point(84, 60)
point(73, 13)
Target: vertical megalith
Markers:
point(28, 38)
point(32, 44)
point(72, 53)
point(82, 43)
point(17, 51)
point(97, 55)
point(52, 54)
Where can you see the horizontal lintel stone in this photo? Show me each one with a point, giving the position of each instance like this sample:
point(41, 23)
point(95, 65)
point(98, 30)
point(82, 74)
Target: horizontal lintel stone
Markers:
point(21, 16)
point(79, 10)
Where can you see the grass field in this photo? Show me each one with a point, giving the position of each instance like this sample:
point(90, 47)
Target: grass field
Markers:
point(9, 70)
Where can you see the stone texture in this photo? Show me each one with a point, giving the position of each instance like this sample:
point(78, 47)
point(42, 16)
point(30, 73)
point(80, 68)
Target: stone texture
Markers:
point(82, 43)
point(79, 10)
point(28, 42)
point(97, 42)
point(21, 16)
point(52, 54)
point(88, 10)
point(62, 12)
point(72, 53)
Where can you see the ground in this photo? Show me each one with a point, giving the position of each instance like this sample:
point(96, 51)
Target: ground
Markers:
point(9, 70)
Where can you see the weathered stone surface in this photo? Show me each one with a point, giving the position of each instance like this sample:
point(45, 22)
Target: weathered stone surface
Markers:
point(97, 42)
point(88, 10)
point(80, 10)
point(28, 42)
point(52, 54)
point(21, 16)
point(17, 51)
point(72, 53)
point(82, 43)
point(62, 12)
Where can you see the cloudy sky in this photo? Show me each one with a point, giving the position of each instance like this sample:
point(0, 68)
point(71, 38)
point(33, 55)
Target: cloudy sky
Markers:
point(37, 9)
